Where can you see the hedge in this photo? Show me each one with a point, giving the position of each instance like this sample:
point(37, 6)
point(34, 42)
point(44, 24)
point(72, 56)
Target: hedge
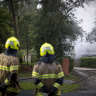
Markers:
point(89, 62)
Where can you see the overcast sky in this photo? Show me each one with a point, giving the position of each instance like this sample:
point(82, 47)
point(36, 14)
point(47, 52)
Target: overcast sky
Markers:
point(88, 15)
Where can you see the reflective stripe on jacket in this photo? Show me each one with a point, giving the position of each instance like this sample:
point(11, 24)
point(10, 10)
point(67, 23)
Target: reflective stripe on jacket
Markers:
point(48, 73)
point(8, 65)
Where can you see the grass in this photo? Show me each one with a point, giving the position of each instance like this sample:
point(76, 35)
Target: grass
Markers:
point(71, 77)
point(30, 85)
point(69, 88)
point(25, 75)
point(27, 85)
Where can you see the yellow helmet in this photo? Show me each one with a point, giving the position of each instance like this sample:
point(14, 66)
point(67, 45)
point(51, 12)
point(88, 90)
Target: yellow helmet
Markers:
point(13, 43)
point(46, 48)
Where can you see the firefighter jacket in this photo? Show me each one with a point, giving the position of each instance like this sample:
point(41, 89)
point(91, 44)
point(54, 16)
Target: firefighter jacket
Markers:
point(9, 64)
point(49, 72)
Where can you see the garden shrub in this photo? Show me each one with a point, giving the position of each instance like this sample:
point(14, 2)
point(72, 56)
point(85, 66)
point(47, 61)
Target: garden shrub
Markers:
point(89, 62)
point(71, 64)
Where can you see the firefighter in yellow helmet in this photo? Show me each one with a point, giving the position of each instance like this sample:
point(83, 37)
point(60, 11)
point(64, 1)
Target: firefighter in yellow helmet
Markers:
point(47, 73)
point(9, 65)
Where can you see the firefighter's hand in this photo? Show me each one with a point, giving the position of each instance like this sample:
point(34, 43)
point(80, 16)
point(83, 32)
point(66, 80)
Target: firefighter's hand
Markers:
point(2, 89)
point(44, 89)
point(52, 91)
point(51, 94)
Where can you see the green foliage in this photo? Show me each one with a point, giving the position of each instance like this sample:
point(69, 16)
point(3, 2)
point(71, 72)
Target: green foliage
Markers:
point(71, 62)
point(25, 75)
point(54, 26)
point(26, 36)
point(27, 85)
point(71, 77)
point(89, 62)
point(4, 26)
point(70, 88)
point(20, 55)
point(91, 37)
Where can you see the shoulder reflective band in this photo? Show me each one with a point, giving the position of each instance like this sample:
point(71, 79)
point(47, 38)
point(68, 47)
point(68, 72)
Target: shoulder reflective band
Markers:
point(6, 82)
point(59, 75)
point(11, 89)
point(57, 85)
point(5, 68)
point(46, 76)
point(35, 74)
point(40, 94)
point(12, 68)
point(39, 85)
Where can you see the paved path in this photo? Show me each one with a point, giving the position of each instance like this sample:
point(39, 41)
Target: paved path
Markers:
point(79, 93)
point(82, 68)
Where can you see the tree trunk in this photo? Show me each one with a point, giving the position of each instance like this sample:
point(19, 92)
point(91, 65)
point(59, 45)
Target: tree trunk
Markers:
point(27, 44)
point(14, 18)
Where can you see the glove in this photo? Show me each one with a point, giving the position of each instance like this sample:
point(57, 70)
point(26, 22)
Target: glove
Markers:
point(13, 77)
point(3, 87)
point(44, 89)
point(52, 91)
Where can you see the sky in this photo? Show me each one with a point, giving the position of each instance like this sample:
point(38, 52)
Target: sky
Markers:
point(88, 15)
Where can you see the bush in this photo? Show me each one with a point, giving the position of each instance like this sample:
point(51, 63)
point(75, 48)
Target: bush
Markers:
point(71, 64)
point(89, 62)
point(20, 55)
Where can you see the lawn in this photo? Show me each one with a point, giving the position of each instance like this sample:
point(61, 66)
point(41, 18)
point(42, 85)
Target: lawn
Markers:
point(25, 75)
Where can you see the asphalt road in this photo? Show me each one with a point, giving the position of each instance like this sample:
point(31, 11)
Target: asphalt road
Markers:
point(79, 93)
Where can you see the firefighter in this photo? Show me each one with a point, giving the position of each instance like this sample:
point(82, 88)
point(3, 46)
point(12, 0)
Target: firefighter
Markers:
point(47, 73)
point(9, 65)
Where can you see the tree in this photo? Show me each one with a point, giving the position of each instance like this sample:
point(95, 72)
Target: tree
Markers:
point(55, 24)
point(91, 37)
point(14, 7)
point(21, 20)
point(4, 27)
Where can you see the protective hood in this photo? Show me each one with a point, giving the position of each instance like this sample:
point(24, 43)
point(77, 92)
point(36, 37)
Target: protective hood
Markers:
point(11, 52)
point(47, 58)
